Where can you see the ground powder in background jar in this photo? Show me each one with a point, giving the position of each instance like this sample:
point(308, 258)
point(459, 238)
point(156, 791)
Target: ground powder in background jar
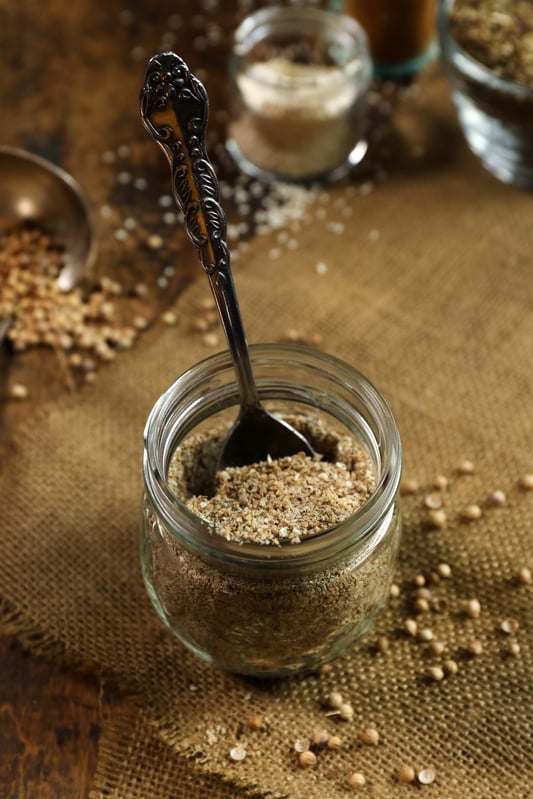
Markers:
point(298, 119)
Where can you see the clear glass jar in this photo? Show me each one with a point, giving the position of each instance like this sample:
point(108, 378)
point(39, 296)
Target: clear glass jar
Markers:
point(271, 610)
point(401, 33)
point(299, 78)
point(495, 112)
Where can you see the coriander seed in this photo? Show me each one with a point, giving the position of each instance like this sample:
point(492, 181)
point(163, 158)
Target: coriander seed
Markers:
point(346, 712)
point(320, 738)
point(473, 608)
point(472, 513)
point(438, 519)
point(237, 753)
point(356, 780)
point(410, 627)
point(426, 776)
point(523, 575)
point(334, 742)
point(512, 648)
point(509, 626)
point(436, 673)
point(444, 570)
point(450, 667)
point(334, 700)
point(474, 648)
point(406, 774)
point(307, 758)
point(370, 736)
point(466, 467)
point(526, 481)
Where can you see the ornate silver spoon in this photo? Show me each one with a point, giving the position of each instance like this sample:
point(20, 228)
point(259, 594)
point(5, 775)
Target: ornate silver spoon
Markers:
point(174, 110)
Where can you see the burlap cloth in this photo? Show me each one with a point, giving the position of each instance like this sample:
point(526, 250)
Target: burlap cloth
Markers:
point(427, 290)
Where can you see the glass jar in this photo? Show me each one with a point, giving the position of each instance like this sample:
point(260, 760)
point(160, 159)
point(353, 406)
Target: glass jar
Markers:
point(271, 610)
point(299, 79)
point(401, 33)
point(495, 110)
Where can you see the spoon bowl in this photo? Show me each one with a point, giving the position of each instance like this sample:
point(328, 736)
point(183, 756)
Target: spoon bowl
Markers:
point(174, 110)
point(35, 190)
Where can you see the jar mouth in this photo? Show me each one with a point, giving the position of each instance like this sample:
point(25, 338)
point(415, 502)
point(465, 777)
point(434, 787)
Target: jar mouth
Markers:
point(345, 41)
point(350, 399)
point(478, 72)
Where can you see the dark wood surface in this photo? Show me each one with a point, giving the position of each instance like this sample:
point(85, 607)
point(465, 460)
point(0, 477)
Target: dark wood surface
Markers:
point(49, 728)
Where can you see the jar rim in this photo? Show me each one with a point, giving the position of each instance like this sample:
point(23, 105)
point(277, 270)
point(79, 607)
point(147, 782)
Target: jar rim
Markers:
point(354, 529)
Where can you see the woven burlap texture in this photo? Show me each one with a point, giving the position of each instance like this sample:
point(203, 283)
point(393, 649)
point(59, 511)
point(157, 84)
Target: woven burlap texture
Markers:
point(427, 291)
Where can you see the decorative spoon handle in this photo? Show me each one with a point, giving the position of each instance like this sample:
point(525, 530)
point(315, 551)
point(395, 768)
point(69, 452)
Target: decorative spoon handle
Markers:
point(174, 109)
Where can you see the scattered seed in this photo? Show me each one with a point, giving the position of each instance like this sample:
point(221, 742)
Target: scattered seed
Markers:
point(472, 513)
point(436, 648)
point(19, 391)
point(169, 318)
point(450, 667)
point(465, 467)
point(321, 738)
point(474, 648)
point(440, 482)
point(382, 644)
point(421, 605)
point(410, 627)
point(497, 498)
point(473, 608)
point(370, 736)
point(509, 626)
point(334, 742)
point(436, 673)
point(394, 591)
point(523, 575)
point(433, 501)
point(409, 486)
point(254, 722)
point(443, 570)
point(426, 634)
point(356, 780)
point(302, 745)
point(334, 700)
point(419, 580)
point(438, 519)
point(237, 753)
point(346, 712)
point(526, 482)
point(512, 648)
point(426, 776)
point(406, 774)
point(307, 758)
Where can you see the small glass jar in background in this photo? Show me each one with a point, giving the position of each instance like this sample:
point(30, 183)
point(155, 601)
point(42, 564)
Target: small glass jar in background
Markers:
point(278, 609)
point(401, 33)
point(299, 81)
point(488, 62)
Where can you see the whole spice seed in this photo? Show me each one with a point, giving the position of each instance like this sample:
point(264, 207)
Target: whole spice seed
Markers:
point(406, 774)
point(334, 742)
point(370, 736)
point(237, 753)
point(356, 780)
point(450, 667)
point(426, 776)
point(436, 673)
point(438, 519)
point(473, 608)
point(512, 648)
point(474, 648)
point(527, 482)
point(307, 759)
point(523, 575)
point(320, 738)
point(509, 626)
point(472, 513)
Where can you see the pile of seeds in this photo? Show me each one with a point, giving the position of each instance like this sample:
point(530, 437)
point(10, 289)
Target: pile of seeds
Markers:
point(84, 328)
point(497, 33)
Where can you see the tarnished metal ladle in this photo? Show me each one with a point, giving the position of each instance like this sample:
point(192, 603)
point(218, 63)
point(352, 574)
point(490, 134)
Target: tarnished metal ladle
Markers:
point(36, 190)
point(174, 109)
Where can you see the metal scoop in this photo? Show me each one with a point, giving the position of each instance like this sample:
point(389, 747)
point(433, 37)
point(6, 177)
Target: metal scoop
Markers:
point(36, 190)
point(174, 110)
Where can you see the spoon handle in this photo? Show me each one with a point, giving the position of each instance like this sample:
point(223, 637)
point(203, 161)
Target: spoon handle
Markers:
point(174, 109)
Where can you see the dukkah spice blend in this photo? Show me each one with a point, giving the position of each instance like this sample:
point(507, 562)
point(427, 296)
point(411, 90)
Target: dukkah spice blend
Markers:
point(487, 51)
point(276, 567)
point(300, 79)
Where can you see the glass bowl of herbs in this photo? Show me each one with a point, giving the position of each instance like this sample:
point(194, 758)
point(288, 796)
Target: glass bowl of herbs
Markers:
point(487, 53)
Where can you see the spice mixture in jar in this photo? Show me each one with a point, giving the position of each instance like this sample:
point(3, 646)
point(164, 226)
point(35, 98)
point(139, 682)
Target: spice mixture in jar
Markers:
point(498, 34)
point(300, 78)
point(276, 567)
point(487, 52)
